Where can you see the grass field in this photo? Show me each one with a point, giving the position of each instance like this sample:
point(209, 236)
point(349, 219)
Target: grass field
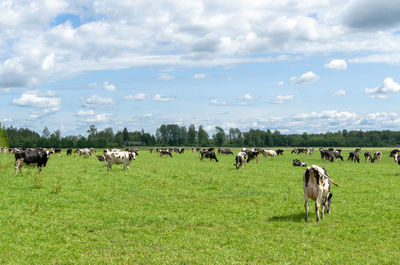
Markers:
point(183, 211)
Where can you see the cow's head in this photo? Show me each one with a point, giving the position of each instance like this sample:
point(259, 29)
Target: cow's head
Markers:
point(327, 203)
point(132, 156)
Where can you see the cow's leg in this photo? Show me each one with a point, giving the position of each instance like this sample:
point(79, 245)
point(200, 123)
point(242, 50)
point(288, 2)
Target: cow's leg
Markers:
point(307, 208)
point(40, 169)
point(318, 205)
point(322, 210)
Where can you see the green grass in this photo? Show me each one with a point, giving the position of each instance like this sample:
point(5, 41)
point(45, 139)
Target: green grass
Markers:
point(183, 211)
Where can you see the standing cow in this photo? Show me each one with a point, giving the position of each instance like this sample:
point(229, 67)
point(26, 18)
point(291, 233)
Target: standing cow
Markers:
point(123, 157)
point(317, 186)
point(31, 158)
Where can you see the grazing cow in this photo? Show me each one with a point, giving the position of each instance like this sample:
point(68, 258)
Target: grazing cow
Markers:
point(378, 155)
point(368, 157)
point(84, 151)
point(57, 150)
point(133, 150)
point(31, 158)
point(309, 151)
point(123, 157)
point(395, 153)
point(327, 154)
point(208, 154)
point(252, 154)
point(69, 152)
point(299, 150)
point(101, 158)
point(353, 156)
point(151, 150)
point(317, 186)
point(224, 151)
point(268, 152)
point(279, 152)
point(165, 152)
point(240, 159)
point(338, 154)
point(298, 163)
point(357, 150)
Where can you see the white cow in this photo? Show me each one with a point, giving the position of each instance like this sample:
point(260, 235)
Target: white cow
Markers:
point(240, 160)
point(122, 157)
point(317, 186)
point(269, 152)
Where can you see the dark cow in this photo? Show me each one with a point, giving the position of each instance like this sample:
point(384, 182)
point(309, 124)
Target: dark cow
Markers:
point(298, 163)
point(327, 154)
point(69, 151)
point(368, 157)
point(253, 154)
point(378, 156)
point(279, 152)
point(225, 151)
point(353, 156)
point(317, 186)
point(101, 158)
point(31, 158)
point(208, 154)
point(338, 154)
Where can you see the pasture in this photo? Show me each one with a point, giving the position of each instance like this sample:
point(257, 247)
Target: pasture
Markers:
point(182, 211)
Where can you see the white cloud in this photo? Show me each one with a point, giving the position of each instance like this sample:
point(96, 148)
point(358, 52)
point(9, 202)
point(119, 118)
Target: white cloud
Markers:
point(306, 78)
point(165, 77)
point(148, 115)
point(247, 97)
point(97, 102)
point(139, 96)
point(339, 93)
point(109, 87)
point(280, 83)
point(48, 62)
point(35, 99)
point(161, 98)
point(218, 102)
point(199, 76)
point(282, 99)
point(85, 113)
point(103, 117)
point(337, 64)
point(389, 86)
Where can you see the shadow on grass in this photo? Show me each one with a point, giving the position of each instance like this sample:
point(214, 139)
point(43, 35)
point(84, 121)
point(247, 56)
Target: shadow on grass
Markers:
point(295, 217)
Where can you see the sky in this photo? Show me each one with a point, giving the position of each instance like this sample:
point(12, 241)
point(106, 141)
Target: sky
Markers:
point(294, 66)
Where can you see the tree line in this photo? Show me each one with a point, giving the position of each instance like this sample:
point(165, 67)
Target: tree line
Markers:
point(175, 135)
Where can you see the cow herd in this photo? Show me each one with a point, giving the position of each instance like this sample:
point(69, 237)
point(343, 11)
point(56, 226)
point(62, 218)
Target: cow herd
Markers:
point(316, 181)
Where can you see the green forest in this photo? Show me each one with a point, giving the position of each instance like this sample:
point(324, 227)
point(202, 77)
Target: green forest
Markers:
point(175, 135)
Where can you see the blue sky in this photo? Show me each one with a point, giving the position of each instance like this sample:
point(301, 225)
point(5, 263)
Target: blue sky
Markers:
point(292, 66)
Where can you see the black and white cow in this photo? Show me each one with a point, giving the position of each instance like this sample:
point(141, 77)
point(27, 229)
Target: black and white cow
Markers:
point(31, 158)
point(101, 158)
point(377, 156)
point(353, 156)
point(69, 152)
point(368, 157)
point(317, 186)
point(240, 159)
point(298, 163)
point(395, 153)
point(165, 152)
point(208, 154)
point(269, 152)
point(252, 154)
point(122, 157)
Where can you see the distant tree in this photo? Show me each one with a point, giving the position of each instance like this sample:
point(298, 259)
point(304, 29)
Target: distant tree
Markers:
point(46, 133)
point(125, 135)
point(203, 137)
point(92, 130)
point(192, 135)
point(219, 136)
